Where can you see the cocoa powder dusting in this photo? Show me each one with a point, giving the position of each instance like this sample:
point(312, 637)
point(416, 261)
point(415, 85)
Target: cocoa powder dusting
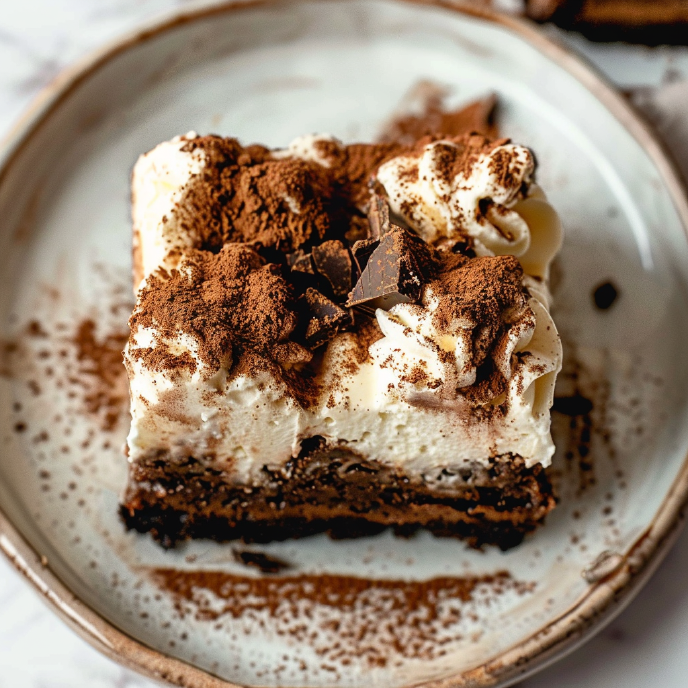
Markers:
point(353, 166)
point(231, 303)
point(242, 195)
point(368, 332)
point(345, 618)
point(478, 290)
point(435, 118)
point(481, 291)
point(465, 151)
point(100, 361)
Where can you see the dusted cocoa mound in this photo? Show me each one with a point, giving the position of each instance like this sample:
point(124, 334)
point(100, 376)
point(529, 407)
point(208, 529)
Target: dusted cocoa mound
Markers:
point(244, 195)
point(338, 492)
point(232, 303)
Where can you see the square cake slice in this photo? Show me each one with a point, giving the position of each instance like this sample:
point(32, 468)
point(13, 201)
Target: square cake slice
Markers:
point(340, 338)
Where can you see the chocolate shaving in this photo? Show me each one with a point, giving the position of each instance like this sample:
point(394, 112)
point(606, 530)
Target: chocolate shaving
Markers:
point(333, 261)
point(263, 562)
point(392, 274)
point(301, 262)
point(378, 216)
point(361, 251)
point(327, 318)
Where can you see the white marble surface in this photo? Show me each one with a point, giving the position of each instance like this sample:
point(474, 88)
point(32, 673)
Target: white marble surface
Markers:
point(644, 644)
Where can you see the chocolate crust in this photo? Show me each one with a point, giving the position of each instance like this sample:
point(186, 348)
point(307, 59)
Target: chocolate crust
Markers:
point(337, 492)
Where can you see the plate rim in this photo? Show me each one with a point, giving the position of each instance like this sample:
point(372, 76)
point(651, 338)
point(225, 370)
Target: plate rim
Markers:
point(603, 600)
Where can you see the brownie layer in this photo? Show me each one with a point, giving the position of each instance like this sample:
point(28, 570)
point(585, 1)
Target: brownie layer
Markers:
point(335, 491)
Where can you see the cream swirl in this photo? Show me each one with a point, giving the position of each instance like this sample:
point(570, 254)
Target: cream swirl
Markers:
point(446, 358)
point(463, 189)
point(158, 182)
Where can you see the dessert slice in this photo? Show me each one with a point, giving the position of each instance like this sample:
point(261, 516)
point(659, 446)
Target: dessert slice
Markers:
point(342, 338)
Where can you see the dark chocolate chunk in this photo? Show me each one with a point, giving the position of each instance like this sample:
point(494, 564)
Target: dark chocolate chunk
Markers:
point(576, 405)
point(263, 562)
point(605, 295)
point(361, 251)
point(391, 274)
point(299, 261)
point(327, 318)
point(378, 216)
point(333, 261)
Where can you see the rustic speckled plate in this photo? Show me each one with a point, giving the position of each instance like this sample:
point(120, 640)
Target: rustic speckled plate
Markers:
point(376, 611)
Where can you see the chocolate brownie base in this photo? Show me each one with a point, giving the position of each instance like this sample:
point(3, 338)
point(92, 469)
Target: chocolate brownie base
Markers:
point(335, 491)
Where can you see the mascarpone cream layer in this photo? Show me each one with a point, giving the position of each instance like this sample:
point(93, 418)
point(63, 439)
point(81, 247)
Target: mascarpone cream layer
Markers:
point(241, 423)
point(157, 184)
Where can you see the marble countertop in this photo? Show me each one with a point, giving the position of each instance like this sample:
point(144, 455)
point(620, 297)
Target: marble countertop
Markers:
point(37, 39)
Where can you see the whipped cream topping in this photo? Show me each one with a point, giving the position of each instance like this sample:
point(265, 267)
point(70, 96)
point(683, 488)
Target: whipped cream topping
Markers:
point(158, 182)
point(475, 200)
point(448, 355)
point(241, 423)
point(408, 403)
point(305, 148)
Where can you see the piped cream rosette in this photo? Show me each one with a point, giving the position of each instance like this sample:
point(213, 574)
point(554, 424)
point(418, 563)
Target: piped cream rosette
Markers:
point(495, 204)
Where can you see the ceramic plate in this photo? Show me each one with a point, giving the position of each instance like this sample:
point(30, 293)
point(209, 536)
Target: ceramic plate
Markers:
point(380, 610)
